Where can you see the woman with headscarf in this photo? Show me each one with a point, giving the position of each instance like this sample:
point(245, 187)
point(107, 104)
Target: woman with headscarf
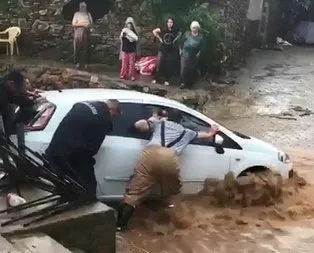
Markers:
point(82, 22)
point(128, 38)
point(190, 50)
point(168, 52)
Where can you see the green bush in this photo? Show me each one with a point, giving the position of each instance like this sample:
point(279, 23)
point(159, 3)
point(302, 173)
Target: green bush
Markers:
point(184, 12)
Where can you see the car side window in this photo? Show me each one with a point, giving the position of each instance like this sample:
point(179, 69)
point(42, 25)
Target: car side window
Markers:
point(195, 124)
point(123, 124)
point(187, 121)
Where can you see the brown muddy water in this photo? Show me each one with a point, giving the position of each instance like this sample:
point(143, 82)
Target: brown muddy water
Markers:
point(272, 100)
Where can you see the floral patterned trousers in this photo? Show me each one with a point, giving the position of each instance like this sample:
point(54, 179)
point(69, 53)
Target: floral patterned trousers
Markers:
point(128, 66)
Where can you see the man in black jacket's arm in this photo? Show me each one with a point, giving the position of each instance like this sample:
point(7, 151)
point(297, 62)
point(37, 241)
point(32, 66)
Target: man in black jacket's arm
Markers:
point(13, 93)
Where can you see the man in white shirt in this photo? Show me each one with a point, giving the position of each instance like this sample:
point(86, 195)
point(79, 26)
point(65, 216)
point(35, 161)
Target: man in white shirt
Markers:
point(82, 22)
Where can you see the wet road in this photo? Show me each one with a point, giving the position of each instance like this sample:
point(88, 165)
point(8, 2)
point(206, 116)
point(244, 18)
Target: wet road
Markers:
point(273, 99)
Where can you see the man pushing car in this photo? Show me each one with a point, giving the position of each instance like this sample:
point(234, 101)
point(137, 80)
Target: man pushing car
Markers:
point(158, 163)
point(78, 139)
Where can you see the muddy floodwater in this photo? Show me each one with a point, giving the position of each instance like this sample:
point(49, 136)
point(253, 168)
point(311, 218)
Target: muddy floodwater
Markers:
point(272, 100)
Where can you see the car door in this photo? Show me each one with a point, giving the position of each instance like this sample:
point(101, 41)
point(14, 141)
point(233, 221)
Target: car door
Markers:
point(199, 160)
point(119, 152)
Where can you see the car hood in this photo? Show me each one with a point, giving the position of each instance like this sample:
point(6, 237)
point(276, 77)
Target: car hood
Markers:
point(256, 145)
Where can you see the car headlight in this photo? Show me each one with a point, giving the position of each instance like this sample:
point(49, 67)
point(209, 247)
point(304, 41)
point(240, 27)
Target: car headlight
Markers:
point(283, 157)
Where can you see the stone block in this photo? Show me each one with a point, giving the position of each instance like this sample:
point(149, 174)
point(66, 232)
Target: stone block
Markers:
point(37, 243)
point(7, 247)
point(91, 228)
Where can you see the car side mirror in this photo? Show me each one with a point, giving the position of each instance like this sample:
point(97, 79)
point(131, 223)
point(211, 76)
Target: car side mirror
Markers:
point(218, 140)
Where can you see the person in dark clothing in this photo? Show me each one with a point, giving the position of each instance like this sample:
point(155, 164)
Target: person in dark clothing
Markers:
point(13, 93)
point(168, 52)
point(78, 139)
point(129, 38)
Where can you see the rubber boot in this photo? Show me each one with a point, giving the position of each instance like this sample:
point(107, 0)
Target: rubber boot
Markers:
point(125, 213)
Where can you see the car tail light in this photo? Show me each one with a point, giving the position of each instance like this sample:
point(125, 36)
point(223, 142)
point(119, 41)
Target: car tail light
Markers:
point(40, 121)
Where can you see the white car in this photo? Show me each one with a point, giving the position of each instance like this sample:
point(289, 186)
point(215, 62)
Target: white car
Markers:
point(231, 151)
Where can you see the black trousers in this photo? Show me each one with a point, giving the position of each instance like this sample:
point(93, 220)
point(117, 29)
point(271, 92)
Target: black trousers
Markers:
point(77, 166)
point(168, 65)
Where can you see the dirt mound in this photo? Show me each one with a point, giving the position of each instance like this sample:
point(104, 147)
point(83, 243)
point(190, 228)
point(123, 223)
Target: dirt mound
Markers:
point(255, 189)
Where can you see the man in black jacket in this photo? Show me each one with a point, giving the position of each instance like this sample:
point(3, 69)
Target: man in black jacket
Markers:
point(12, 92)
point(78, 139)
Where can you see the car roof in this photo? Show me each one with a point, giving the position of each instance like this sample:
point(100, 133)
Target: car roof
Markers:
point(71, 96)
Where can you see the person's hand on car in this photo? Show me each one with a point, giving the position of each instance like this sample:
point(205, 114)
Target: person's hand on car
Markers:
point(214, 129)
point(38, 91)
point(40, 99)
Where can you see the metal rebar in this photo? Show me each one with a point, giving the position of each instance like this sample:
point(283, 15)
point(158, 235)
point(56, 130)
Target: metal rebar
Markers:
point(33, 203)
point(60, 209)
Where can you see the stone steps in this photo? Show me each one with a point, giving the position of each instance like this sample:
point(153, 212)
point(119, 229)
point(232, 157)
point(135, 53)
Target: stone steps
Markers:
point(7, 247)
point(34, 243)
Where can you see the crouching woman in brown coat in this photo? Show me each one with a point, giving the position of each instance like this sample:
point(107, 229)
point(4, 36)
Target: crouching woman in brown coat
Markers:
point(158, 163)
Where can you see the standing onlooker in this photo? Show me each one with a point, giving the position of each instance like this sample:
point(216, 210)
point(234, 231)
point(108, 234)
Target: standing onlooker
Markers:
point(190, 49)
point(82, 22)
point(168, 53)
point(129, 38)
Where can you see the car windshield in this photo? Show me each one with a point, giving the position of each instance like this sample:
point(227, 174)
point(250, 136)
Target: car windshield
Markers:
point(38, 107)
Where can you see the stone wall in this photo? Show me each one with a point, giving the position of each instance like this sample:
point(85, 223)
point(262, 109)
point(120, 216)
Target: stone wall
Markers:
point(46, 34)
point(236, 22)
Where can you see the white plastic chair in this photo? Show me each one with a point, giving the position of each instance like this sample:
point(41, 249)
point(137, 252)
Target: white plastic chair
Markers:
point(12, 34)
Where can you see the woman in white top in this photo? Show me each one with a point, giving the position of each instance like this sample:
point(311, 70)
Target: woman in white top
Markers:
point(82, 22)
point(128, 38)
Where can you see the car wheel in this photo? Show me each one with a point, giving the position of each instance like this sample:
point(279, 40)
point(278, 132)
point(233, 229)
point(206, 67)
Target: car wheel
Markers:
point(258, 170)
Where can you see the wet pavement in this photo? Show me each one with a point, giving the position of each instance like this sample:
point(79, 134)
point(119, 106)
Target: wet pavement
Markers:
point(273, 98)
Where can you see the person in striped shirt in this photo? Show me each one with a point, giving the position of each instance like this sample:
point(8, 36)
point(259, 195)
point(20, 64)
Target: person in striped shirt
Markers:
point(158, 163)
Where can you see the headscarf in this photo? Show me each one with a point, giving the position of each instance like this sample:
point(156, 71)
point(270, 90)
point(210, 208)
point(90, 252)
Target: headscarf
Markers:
point(195, 24)
point(136, 30)
point(131, 20)
point(83, 5)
